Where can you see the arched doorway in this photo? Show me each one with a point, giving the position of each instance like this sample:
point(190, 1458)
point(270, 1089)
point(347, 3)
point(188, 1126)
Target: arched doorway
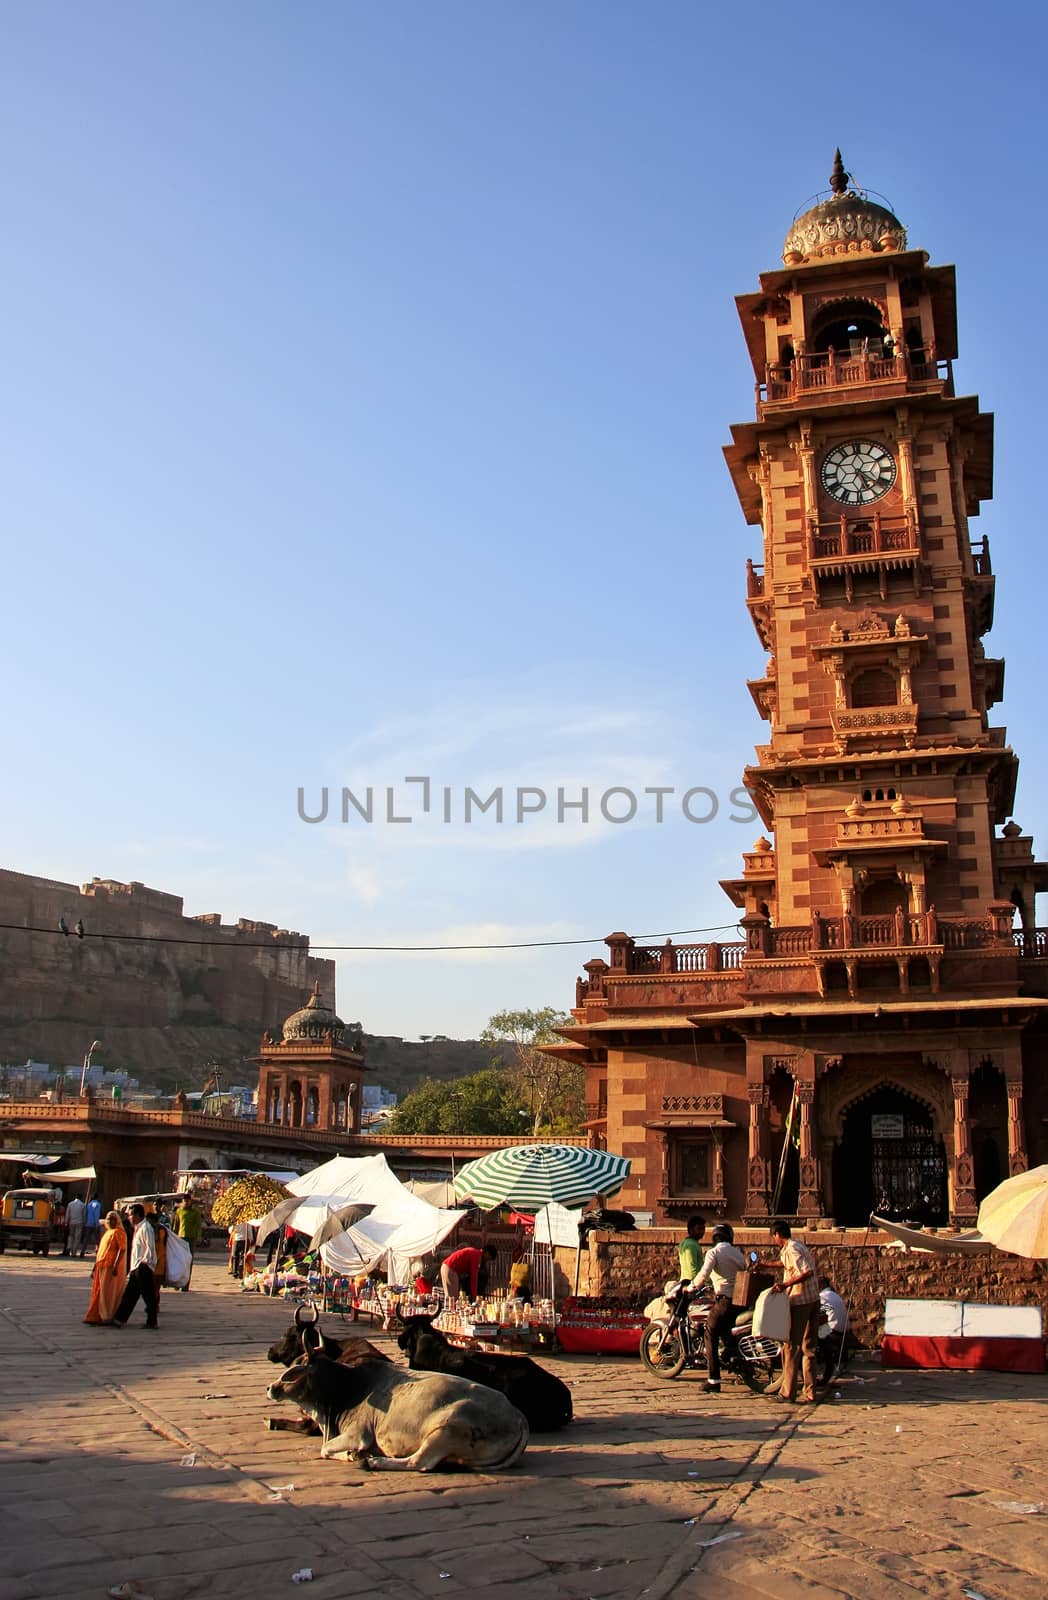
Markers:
point(889, 1160)
point(988, 1115)
point(784, 1143)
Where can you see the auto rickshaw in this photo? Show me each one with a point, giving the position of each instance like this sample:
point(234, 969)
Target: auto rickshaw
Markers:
point(28, 1221)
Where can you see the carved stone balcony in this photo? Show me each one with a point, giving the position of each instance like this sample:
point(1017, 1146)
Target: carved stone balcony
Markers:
point(871, 543)
point(875, 727)
point(818, 378)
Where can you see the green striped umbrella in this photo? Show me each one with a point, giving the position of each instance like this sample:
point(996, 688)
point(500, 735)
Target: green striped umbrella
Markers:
point(530, 1176)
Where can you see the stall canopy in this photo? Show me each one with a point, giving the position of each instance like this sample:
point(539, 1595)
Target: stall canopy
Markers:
point(400, 1226)
point(72, 1175)
point(30, 1158)
point(283, 1177)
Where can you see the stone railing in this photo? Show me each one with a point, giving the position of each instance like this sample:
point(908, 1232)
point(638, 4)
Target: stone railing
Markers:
point(669, 958)
point(893, 930)
point(874, 535)
point(812, 375)
point(1031, 943)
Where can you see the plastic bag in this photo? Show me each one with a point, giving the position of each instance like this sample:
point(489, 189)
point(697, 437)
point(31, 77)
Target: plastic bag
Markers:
point(179, 1262)
point(771, 1316)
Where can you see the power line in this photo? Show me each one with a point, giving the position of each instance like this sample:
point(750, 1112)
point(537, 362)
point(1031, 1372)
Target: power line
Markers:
point(381, 949)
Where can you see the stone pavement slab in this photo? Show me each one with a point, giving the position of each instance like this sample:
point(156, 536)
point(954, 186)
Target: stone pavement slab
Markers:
point(133, 1456)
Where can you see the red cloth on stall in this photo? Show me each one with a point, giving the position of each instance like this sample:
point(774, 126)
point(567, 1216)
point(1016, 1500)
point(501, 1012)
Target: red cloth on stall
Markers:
point(988, 1355)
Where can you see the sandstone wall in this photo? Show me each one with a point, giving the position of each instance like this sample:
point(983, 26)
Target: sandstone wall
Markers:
point(57, 994)
point(866, 1275)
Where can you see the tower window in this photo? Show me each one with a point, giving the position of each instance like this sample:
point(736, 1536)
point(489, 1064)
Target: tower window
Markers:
point(849, 328)
point(874, 687)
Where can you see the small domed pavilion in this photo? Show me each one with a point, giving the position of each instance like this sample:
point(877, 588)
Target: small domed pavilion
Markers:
point(310, 1076)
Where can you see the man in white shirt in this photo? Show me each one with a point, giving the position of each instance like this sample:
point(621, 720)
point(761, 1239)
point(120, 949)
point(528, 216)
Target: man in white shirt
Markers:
point(720, 1267)
point(141, 1284)
point(833, 1326)
point(74, 1227)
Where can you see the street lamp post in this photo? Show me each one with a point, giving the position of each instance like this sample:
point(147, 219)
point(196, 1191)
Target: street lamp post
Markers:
point(96, 1044)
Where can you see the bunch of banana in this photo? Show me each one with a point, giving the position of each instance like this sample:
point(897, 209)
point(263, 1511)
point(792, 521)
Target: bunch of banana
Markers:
point(247, 1198)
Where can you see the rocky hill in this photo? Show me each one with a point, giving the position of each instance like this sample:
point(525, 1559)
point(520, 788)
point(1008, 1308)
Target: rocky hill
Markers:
point(168, 995)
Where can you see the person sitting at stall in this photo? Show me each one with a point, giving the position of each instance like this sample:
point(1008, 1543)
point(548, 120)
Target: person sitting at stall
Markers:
point(467, 1264)
point(833, 1329)
point(520, 1281)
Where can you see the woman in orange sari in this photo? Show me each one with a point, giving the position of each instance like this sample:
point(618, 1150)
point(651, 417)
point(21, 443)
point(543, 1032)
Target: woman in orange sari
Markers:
point(110, 1274)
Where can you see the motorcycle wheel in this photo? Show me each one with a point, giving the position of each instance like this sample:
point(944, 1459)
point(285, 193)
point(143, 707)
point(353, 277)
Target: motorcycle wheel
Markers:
point(662, 1351)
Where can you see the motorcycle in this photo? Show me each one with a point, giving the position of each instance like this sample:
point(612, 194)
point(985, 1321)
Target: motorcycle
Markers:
point(670, 1344)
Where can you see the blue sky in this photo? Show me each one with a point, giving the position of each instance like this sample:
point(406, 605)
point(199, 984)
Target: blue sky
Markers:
point(367, 373)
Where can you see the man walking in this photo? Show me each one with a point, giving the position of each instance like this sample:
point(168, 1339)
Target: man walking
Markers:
point(74, 1227)
point(92, 1225)
point(141, 1284)
point(800, 1281)
point(189, 1225)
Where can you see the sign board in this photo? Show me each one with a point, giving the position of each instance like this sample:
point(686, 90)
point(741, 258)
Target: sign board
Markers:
point(887, 1127)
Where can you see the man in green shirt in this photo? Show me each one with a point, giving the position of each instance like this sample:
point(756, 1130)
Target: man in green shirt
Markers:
point(189, 1225)
point(689, 1251)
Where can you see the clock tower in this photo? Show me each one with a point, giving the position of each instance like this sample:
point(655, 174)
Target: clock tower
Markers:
point(876, 1038)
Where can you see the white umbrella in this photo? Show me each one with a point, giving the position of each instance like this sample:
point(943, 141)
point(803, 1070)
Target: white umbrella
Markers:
point(1015, 1216)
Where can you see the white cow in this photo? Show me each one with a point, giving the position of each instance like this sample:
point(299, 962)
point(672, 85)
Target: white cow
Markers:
point(390, 1420)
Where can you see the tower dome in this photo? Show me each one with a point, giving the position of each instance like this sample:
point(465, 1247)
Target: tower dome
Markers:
point(847, 222)
point(314, 1022)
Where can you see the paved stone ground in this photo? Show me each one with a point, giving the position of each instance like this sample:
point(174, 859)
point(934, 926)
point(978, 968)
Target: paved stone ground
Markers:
point(140, 1458)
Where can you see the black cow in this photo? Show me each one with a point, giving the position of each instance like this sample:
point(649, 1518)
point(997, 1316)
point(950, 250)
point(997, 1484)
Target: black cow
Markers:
point(544, 1400)
point(304, 1336)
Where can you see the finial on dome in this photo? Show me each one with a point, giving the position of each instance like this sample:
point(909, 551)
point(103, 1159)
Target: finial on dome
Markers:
point(316, 990)
point(839, 179)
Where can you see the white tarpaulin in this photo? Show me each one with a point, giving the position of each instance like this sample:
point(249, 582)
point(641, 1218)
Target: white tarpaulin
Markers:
point(72, 1175)
point(401, 1226)
point(555, 1224)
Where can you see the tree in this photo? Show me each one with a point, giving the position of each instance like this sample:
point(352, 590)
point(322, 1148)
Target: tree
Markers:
point(552, 1089)
point(484, 1102)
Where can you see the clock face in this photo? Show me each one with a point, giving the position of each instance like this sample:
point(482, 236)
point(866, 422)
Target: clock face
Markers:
point(858, 472)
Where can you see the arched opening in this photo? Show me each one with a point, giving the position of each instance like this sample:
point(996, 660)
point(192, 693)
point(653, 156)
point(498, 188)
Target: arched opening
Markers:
point(199, 1165)
point(294, 1104)
point(880, 897)
point(874, 687)
point(784, 1143)
point(850, 328)
point(988, 1115)
point(1018, 900)
point(312, 1107)
point(889, 1160)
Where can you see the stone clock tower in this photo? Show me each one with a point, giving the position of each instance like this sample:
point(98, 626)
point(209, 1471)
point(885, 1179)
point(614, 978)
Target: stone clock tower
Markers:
point(877, 1035)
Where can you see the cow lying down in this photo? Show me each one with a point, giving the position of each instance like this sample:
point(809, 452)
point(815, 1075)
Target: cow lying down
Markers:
point(303, 1336)
point(390, 1420)
point(540, 1395)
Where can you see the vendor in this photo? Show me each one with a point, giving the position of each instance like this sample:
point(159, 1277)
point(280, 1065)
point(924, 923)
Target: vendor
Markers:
point(520, 1281)
point(465, 1268)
